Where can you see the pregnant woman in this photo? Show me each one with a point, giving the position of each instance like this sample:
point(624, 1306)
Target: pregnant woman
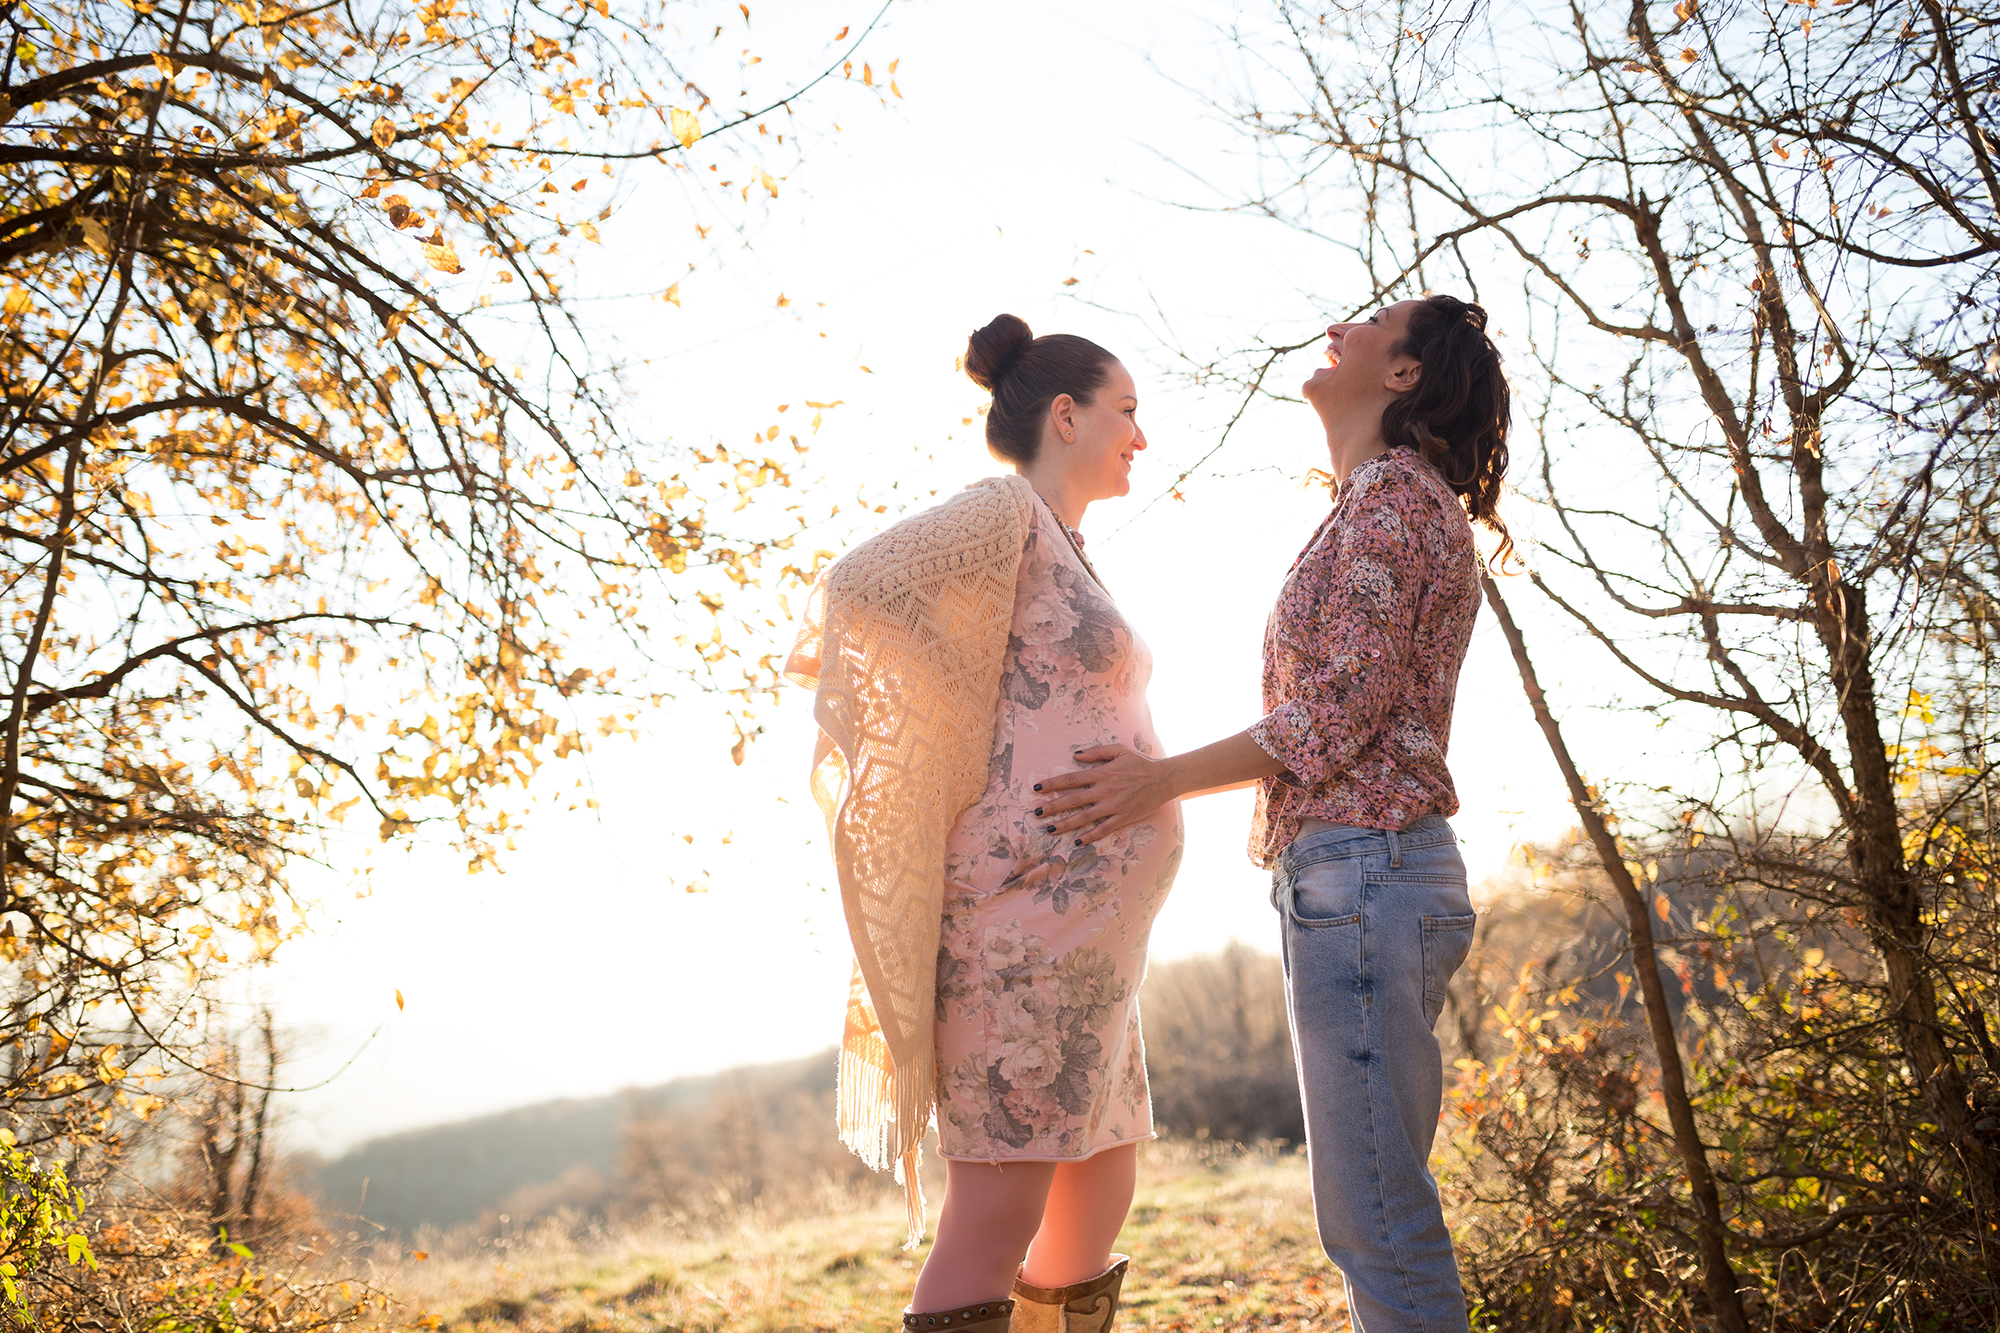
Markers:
point(1361, 662)
point(957, 660)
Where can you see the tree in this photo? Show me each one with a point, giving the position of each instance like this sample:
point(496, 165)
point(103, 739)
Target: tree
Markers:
point(291, 528)
point(1751, 255)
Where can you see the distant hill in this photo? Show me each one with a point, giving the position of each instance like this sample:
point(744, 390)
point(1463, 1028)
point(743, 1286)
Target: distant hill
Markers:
point(529, 1160)
point(1218, 1053)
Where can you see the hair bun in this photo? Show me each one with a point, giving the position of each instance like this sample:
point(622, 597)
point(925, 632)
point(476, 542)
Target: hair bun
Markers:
point(993, 349)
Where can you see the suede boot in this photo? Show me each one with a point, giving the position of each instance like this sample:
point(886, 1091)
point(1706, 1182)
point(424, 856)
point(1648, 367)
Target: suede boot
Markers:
point(985, 1317)
point(1083, 1307)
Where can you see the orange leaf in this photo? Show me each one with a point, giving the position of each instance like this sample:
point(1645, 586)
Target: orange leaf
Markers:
point(686, 128)
point(439, 254)
point(399, 1001)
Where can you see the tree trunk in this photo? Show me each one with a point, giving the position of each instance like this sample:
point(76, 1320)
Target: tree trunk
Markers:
point(1718, 1275)
point(1895, 899)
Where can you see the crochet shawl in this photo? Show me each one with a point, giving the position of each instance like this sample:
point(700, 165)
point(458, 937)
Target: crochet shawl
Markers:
point(902, 646)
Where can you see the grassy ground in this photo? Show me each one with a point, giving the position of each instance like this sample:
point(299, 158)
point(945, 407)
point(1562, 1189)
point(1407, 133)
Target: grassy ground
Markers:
point(1218, 1241)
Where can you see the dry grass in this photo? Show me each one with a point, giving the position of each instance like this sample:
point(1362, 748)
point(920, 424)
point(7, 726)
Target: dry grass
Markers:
point(1220, 1239)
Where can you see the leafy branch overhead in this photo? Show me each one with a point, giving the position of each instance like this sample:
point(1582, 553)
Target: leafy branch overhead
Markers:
point(319, 499)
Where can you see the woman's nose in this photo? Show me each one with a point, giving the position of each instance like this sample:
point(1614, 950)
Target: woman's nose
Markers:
point(1138, 437)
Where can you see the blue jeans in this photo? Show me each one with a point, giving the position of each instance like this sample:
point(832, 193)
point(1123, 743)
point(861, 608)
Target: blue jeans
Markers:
point(1375, 923)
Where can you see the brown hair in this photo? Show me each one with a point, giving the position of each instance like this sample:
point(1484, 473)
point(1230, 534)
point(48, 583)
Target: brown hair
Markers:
point(1025, 374)
point(1457, 417)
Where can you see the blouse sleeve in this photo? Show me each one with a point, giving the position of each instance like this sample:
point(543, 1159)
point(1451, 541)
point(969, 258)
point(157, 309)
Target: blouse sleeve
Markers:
point(1340, 662)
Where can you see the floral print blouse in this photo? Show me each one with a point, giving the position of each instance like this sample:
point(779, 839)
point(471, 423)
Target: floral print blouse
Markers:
point(1361, 658)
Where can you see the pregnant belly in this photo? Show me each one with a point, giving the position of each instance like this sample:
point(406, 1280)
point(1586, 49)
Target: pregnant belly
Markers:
point(1026, 870)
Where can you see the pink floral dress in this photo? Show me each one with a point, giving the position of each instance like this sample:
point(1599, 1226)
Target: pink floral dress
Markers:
point(1039, 1051)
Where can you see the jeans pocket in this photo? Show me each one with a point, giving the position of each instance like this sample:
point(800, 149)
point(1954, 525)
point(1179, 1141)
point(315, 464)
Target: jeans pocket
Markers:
point(1326, 894)
point(1447, 940)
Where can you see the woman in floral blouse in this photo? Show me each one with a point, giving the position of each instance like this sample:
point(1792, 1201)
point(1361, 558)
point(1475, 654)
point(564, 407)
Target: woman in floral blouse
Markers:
point(1361, 663)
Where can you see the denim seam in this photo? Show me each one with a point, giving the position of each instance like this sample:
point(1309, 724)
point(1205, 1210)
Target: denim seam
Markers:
point(1368, 1081)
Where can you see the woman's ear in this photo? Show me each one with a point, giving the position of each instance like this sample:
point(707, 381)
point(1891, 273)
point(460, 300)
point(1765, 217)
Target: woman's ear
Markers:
point(1062, 415)
point(1403, 376)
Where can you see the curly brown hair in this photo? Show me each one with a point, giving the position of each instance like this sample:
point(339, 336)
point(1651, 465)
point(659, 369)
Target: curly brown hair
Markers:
point(1457, 417)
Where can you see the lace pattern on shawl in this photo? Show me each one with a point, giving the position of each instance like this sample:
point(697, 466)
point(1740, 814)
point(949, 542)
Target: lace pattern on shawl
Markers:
point(902, 646)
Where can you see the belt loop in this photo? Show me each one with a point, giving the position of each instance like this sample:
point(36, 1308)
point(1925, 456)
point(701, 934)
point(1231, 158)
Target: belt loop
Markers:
point(1395, 849)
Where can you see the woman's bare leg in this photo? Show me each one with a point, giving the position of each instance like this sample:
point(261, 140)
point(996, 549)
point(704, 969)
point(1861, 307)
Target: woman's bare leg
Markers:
point(1086, 1208)
point(991, 1212)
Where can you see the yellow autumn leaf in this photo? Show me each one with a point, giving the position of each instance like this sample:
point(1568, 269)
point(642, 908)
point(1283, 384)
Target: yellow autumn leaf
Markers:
point(439, 254)
point(383, 132)
point(672, 293)
point(764, 179)
point(399, 1001)
point(686, 128)
point(95, 236)
point(18, 301)
point(1689, 54)
point(589, 230)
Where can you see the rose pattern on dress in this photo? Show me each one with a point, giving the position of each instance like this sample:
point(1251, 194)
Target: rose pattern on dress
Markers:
point(1361, 658)
point(1040, 1052)
point(1043, 1065)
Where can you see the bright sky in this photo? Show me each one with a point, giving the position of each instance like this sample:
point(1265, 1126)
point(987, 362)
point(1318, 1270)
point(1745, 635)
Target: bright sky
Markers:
point(1036, 142)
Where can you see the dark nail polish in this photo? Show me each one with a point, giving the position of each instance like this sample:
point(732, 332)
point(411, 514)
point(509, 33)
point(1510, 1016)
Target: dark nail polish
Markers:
point(1038, 812)
point(1048, 828)
point(1079, 842)
point(1038, 787)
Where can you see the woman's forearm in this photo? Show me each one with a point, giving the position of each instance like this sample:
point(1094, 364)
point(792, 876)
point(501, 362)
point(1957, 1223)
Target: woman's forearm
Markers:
point(1233, 762)
point(1121, 787)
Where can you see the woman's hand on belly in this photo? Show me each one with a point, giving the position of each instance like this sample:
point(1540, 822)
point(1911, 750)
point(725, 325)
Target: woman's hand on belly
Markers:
point(1121, 788)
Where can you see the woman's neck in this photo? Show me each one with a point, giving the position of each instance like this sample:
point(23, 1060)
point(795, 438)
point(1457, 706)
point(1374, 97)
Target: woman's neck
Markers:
point(1056, 491)
point(1352, 438)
